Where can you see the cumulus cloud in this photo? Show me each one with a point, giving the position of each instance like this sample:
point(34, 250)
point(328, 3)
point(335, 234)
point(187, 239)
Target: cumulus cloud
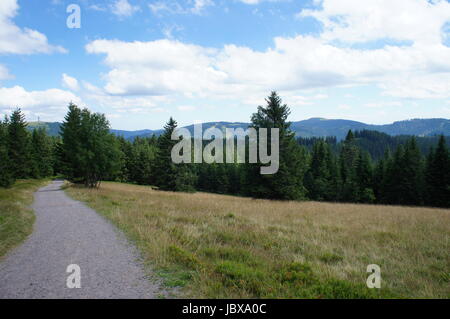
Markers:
point(166, 67)
point(156, 68)
point(122, 8)
point(51, 103)
point(15, 40)
point(70, 82)
point(123, 104)
point(420, 69)
point(419, 21)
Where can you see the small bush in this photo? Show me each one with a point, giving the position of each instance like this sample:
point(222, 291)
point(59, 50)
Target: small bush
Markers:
point(330, 258)
point(341, 289)
point(242, 276)
point(175, 276)
point(182, 257)
point(297, 274)
point(229, 253)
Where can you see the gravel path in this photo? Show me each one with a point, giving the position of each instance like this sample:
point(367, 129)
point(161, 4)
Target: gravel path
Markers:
point(67, 232)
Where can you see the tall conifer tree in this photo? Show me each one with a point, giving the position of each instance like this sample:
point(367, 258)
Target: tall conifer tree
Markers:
point(287, 183)
point(19, 145)
point(6, 176)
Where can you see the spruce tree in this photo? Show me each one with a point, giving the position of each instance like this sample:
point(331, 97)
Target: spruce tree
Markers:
point(379, 176)
point(19, 145)
point(89, 152)
point(6, 176)
point(412, 177)
point(348, 160)
point(222, 178)
point(41, 154)
point(321, 177)
point(142, 156)
point(100, 153)
point(364, 176)
point(392, 185)
point(168, 175)
point(438, 176)
point(70, 151)
point(165, 169)
point(287, 183)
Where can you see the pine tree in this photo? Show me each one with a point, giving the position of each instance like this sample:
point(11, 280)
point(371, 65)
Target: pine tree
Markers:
point(165, 169)
point(287, 183)
point(335, 183)
point(392, 187)
point(412, 177)
point(321, 178)
point(19, 145)
point(41, 154)
point(141, 156)
point(379, 177)
point(6, 177)
point(438, 176)
point(222, 179)
point(124, 172)
point(100, 153)
point(89, 152)
point(234, 178)
point(348, 160)
point(364, 176)
point(70, 151)
point(168, 175)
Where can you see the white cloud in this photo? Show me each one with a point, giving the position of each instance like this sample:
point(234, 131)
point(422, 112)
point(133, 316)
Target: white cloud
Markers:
point(156, 68)
point(169, 31)
point(174, 7)
point(122, 104)
point(97, 7)
point(420, 86)
point(70, 82)
point(15, 40)
point(4, 73)
point(167, 68)
point(251, 1)
point(200, 5)
point(122, 8)
point(403, 20)
point(51, 103)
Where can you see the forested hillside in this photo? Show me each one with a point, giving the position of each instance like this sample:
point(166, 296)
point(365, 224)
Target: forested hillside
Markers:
point(376, 143)
point(315, 127)
point(366, 167)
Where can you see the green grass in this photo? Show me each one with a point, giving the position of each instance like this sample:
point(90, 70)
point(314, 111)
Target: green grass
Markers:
point(215, 246)
point(16, 218)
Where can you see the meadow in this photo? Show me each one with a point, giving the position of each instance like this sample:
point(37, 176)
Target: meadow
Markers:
point(16, 216)
point(217, 246)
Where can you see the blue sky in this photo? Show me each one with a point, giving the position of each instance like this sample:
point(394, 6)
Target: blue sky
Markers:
point(142, 61)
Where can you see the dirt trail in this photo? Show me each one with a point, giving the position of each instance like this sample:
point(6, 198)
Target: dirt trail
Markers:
point(67, 232)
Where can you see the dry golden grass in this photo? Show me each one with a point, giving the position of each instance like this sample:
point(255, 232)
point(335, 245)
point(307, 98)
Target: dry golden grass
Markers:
point(230, 247)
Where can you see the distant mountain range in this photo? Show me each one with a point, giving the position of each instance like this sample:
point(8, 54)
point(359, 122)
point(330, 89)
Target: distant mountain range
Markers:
point(314, 127)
